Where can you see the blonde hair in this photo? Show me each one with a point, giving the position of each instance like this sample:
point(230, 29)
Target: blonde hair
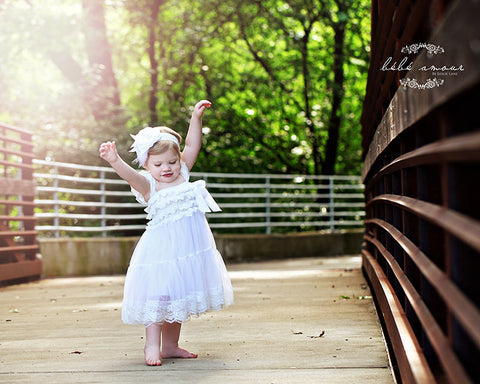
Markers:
point(163, 146)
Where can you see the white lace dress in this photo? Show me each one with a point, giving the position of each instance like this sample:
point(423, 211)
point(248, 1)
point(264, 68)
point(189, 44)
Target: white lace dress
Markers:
point(176, 270)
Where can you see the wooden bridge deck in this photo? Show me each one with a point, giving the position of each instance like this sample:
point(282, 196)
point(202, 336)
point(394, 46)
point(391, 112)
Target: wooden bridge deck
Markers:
point(297, 321)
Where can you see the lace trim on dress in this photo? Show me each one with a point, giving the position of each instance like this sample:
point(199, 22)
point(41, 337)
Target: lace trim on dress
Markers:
point(171, 207)
point(161, 309)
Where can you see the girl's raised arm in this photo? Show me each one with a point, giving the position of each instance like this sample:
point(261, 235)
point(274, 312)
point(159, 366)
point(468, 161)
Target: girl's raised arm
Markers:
point(193, 141)
point(108, 152)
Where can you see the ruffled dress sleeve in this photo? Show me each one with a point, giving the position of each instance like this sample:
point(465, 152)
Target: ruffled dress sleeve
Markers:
point(137, 194)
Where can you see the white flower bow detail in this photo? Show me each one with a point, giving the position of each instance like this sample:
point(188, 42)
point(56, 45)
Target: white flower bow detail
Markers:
point(145, 139)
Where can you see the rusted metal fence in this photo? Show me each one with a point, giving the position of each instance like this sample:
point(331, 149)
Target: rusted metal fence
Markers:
point(421, 140)
point(18, 245)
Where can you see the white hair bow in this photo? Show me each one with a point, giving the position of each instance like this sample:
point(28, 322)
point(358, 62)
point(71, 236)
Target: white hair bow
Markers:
point(145, 139)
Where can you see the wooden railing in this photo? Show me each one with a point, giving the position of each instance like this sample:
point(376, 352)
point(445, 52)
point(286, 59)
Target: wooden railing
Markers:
point(18, 245)
point(422, 177)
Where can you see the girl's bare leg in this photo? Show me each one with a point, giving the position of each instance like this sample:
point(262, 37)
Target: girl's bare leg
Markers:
point(170, 336)
point(152, 344)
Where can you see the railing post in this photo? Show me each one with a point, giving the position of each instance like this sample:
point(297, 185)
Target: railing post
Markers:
point(103, 200)
point(331, 203)
point(267, 205)
point(56, 221)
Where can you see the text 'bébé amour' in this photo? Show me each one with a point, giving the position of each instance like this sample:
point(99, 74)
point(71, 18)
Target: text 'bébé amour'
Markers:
point(404, 65)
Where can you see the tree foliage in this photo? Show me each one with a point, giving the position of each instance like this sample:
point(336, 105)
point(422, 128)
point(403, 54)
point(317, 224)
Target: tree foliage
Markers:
point(286, 78)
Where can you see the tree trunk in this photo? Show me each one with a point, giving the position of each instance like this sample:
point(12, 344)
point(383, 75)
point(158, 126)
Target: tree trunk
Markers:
point(152, 54)
point(106, 97)
point(334, 120)
point(316, 154)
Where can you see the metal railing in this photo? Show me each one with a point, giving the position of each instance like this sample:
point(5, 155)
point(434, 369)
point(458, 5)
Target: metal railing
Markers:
point(88, 200)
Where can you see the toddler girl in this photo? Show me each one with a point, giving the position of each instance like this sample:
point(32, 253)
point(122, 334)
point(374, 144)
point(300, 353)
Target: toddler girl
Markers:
point(175, 271)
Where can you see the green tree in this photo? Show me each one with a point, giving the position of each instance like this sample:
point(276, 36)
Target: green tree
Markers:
point(57, 76)
point(293, 85)
point(286, 78)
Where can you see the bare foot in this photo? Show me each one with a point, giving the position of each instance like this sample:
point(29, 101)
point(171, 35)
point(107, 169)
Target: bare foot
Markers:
point(177, 353)
point(152, 355)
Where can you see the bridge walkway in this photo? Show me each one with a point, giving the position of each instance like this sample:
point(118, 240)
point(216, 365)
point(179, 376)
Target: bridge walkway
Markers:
point(302, 321)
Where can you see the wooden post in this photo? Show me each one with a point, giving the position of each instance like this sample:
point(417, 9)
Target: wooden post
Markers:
point(18, 238)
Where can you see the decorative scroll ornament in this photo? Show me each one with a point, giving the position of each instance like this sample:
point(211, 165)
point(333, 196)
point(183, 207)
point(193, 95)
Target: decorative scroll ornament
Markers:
point(413, 83)
point(432, 49)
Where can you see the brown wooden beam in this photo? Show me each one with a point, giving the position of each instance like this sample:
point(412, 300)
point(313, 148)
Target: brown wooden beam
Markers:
point(20, 269)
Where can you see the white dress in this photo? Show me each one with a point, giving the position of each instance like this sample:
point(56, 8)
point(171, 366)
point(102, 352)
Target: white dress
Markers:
point(176, 270)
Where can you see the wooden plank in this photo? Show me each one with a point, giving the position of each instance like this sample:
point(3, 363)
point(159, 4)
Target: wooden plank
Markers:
point(411, 361)
point(381, 36)
point(22, 154)
point(22, 203)
point(461, 306)
point(351, 351)
point(24, 143)
point(451, 365)
point(6, 233)
point(15, 129)
point(462, 148)
point(410, 105)
point(18, 248)
point(16, 165)
point(20, 270)
point(14, 254)
point(463, 227)
point(17, 218)
point(16, 258)
point(17, 187)
point(383, 46)
point(402, 20)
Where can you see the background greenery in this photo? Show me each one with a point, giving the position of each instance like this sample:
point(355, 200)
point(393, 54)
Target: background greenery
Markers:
point(286, 78)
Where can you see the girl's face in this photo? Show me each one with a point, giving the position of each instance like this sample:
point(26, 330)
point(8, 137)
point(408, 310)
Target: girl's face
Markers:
point(165, 167)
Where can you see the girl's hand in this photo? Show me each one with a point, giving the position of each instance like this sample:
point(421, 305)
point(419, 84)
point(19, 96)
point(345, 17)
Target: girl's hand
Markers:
point(108, 151)
point(200, 107)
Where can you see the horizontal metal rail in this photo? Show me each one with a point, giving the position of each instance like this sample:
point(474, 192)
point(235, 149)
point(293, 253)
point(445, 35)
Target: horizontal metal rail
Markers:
point(79, 198)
